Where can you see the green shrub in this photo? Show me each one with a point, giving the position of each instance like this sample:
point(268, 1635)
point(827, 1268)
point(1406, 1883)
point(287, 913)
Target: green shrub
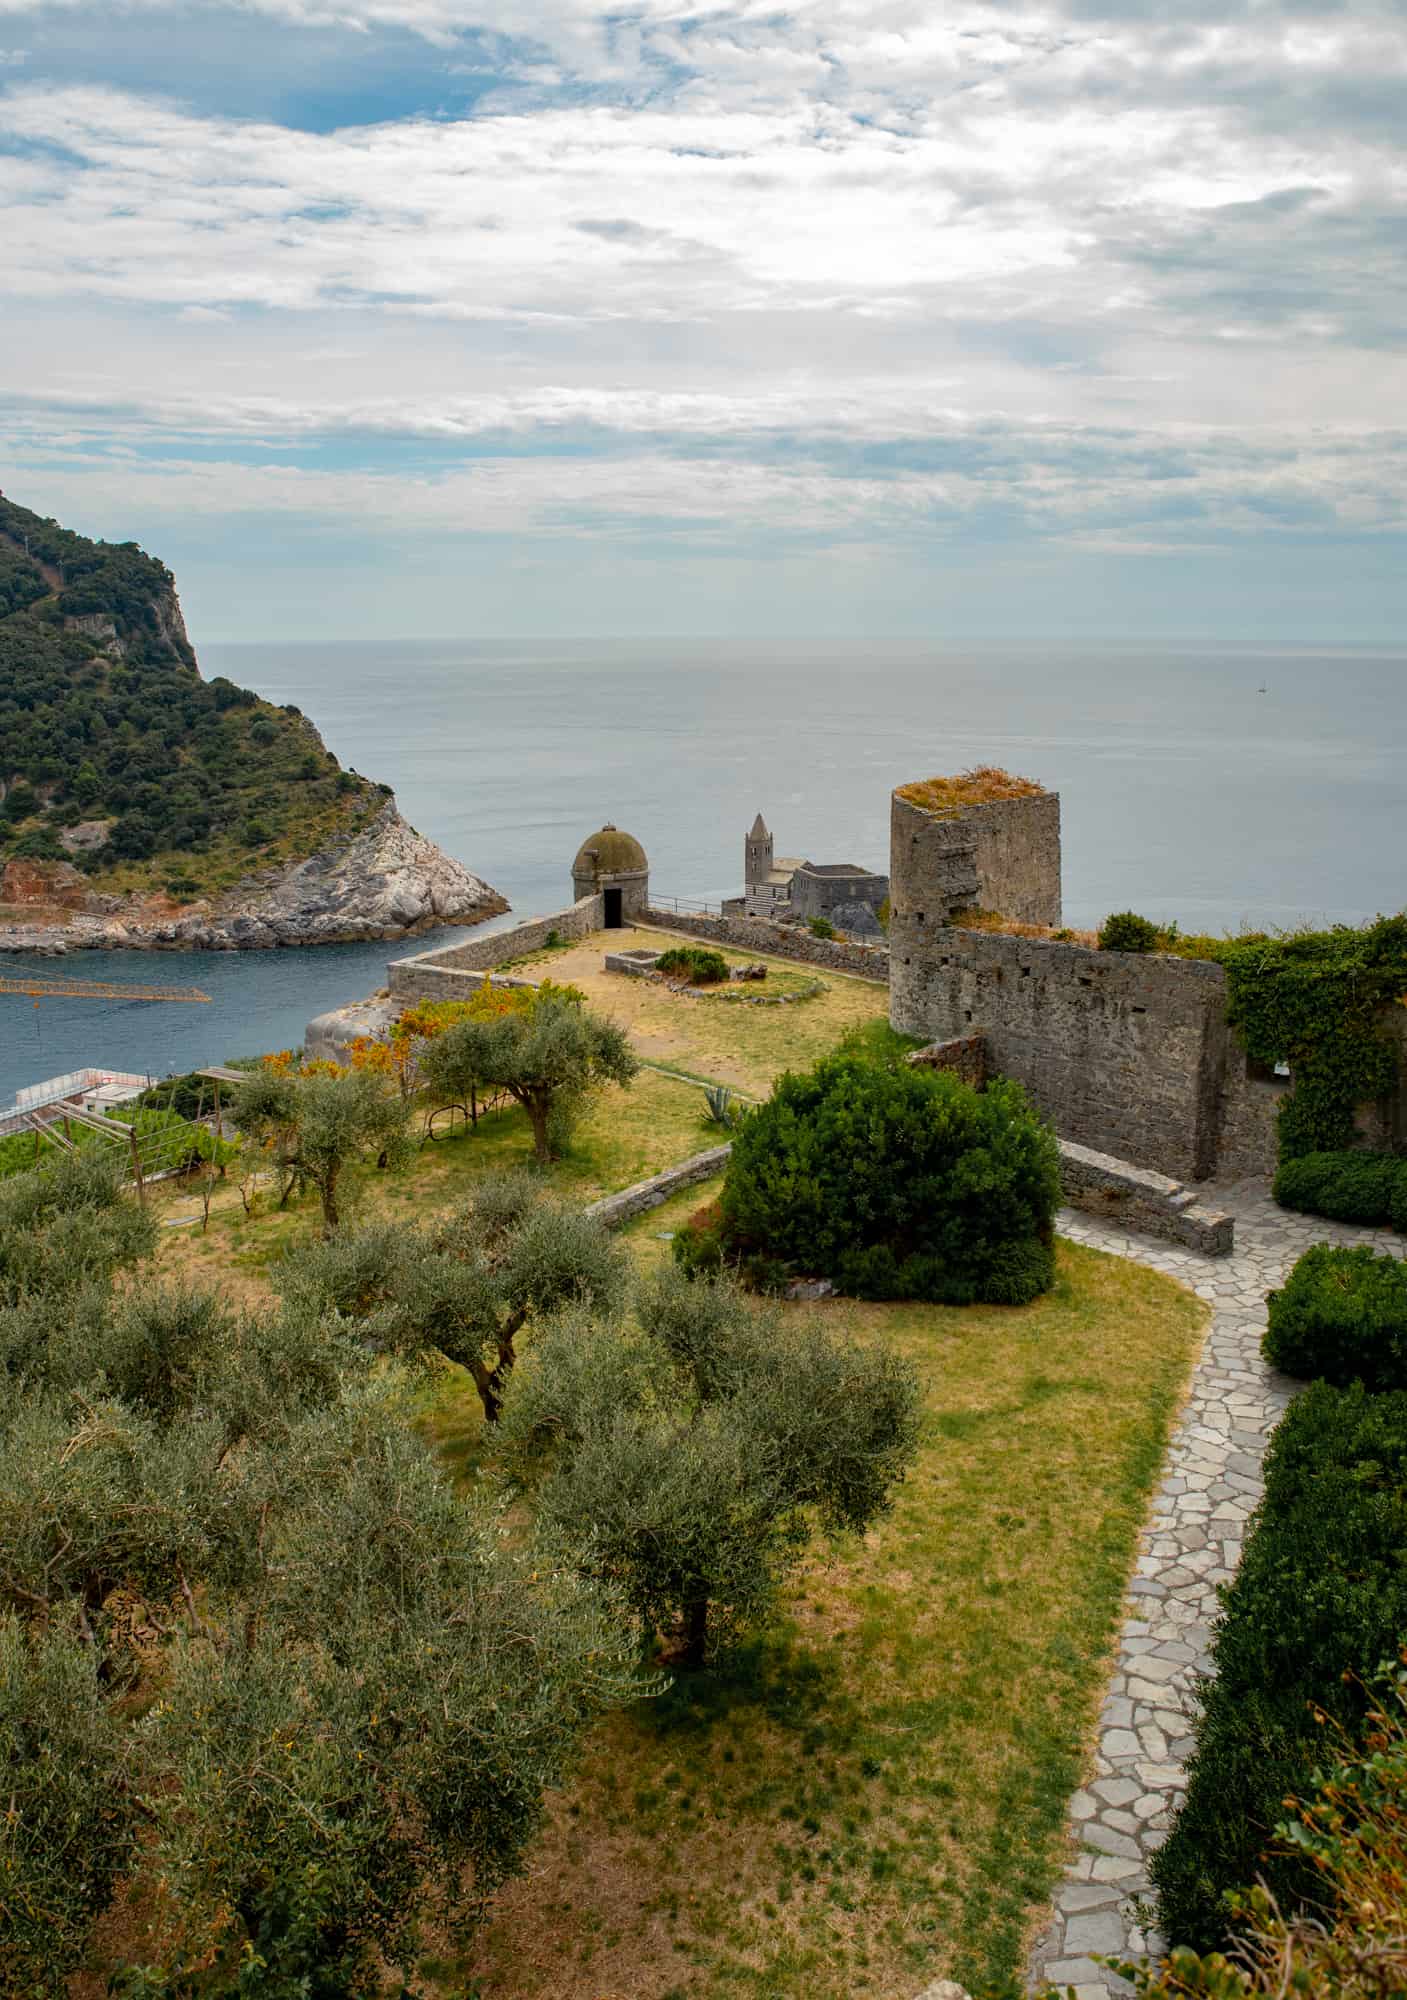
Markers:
point(1127, 931)
point(1397, 1210)
point(896, 1183)
point(1347, 1187)
point(1319, 1601)
point(1355, 1829)
point(692, 962)
point(821, 927)
point(1341, 1316)
point(698, 1246)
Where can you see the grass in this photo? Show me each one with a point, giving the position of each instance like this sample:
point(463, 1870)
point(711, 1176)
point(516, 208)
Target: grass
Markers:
point(873, 1794)
point(747, 1047)
point(624, 1136)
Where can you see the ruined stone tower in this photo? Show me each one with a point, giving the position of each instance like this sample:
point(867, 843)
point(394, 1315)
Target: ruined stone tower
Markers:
point(981, 841)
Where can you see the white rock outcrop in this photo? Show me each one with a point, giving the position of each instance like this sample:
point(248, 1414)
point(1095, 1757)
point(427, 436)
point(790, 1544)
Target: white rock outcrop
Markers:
point(385, 882)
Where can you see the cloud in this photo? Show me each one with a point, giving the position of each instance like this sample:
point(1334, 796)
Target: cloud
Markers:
point(865, 271)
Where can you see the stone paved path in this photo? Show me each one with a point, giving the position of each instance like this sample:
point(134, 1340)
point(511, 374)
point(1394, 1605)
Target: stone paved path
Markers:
point(1211, 1482)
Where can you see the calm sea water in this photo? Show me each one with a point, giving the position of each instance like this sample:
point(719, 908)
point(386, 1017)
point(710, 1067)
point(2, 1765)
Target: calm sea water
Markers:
point(1187, 793)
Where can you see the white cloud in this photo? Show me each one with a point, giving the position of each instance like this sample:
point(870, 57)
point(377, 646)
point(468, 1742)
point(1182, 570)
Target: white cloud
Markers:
point(867, 269)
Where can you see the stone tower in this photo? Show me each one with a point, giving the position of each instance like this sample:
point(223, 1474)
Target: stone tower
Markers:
point(612, 865)
point(983, 840)
point(758, 863)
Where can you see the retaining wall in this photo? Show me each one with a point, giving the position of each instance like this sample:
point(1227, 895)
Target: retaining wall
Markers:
point(614, 1209)
point(866, 961)
point(1135, 1198)
point(439, 975)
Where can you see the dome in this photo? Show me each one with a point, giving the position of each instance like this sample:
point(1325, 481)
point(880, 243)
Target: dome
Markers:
point(610, 852)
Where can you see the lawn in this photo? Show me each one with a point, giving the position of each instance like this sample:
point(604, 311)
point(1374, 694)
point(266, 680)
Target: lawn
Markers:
point(874, 1795)
point(624, 1136)
point(718, 1037)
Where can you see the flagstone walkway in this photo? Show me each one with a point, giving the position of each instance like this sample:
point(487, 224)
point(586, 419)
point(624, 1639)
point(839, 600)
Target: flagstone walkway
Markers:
point(1211, 1482)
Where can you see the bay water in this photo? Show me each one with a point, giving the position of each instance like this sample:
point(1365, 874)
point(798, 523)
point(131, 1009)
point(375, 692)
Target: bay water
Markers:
point(1213, 786)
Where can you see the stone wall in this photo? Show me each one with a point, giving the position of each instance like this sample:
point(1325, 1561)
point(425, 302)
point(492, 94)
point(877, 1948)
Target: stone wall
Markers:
point(1122, 1052)
point(965, 1058)
point(867, 961)
point(814, 893)
point(615, 1209)
point(439, 975)
point(1148, 1203)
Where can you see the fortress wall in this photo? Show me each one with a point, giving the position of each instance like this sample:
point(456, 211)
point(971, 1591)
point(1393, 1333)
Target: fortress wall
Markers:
point(868, 961)
point(1122, 1052)
point(438, 975)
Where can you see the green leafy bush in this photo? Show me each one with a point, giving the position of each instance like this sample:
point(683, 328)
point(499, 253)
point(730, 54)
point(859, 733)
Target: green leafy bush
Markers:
point(692, 962)
point(1354, 1830)
point(821, 927)
point(698, 1245)
point(1127, 931)
point(1319, 1601)
point(1345, 1186)
point(1341, 1316)
point(897, 1183)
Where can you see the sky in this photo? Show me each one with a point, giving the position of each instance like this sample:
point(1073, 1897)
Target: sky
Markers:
point(456, 318)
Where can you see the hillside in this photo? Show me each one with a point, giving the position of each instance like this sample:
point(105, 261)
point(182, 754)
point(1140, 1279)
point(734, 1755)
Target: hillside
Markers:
point(132, 789)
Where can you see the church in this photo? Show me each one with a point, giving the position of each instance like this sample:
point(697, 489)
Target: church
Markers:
point(788, 889)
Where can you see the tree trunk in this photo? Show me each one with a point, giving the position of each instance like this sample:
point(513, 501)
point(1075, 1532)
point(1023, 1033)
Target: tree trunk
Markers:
point(537, 1114)
point(328, 1191)
point(490, 1388)
point(695, 1632)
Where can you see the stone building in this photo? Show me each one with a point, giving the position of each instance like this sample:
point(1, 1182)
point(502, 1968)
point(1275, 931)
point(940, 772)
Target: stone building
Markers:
point(789, 887)
point(612, 865)
point(1128, 1053)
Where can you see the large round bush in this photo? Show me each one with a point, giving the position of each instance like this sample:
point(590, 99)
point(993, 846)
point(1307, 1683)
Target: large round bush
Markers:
point(897, 1183)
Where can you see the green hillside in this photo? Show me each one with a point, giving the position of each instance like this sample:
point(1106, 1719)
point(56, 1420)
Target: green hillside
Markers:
point(106, 723)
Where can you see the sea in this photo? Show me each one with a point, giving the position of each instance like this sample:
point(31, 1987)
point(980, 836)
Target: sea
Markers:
point(1214, 786)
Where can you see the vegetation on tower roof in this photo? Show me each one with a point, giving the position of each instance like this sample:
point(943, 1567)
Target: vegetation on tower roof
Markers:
point(983, 785)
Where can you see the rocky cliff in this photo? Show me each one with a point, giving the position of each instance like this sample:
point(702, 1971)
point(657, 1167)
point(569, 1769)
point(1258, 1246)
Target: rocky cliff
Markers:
point(385, 882)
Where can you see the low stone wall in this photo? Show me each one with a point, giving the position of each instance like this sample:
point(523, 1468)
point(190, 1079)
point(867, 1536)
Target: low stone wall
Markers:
point(438, 975)
point(964, 1058)
point(1138, 1199)
point(866, 961)
point(614, 1209)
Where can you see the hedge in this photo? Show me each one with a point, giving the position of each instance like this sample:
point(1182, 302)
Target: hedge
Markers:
point(1346, 1186)
point(1341, 1316)
point(1319, 1602)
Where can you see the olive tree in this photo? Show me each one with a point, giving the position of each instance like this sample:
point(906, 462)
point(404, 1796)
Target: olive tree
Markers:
point(261, 1668)
point(549, 1058)
point(690, 1455)
point(466, 1283)
point(318, 1125)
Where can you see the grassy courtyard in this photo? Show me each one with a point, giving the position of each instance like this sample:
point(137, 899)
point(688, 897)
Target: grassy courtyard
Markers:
point(718, 1037)
point(874, 1794)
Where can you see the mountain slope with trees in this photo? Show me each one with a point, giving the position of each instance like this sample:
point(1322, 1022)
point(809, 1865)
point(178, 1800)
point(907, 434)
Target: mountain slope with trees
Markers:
point(119, 760)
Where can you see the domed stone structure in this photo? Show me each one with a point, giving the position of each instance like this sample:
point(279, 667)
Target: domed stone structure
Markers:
point(612, 864)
